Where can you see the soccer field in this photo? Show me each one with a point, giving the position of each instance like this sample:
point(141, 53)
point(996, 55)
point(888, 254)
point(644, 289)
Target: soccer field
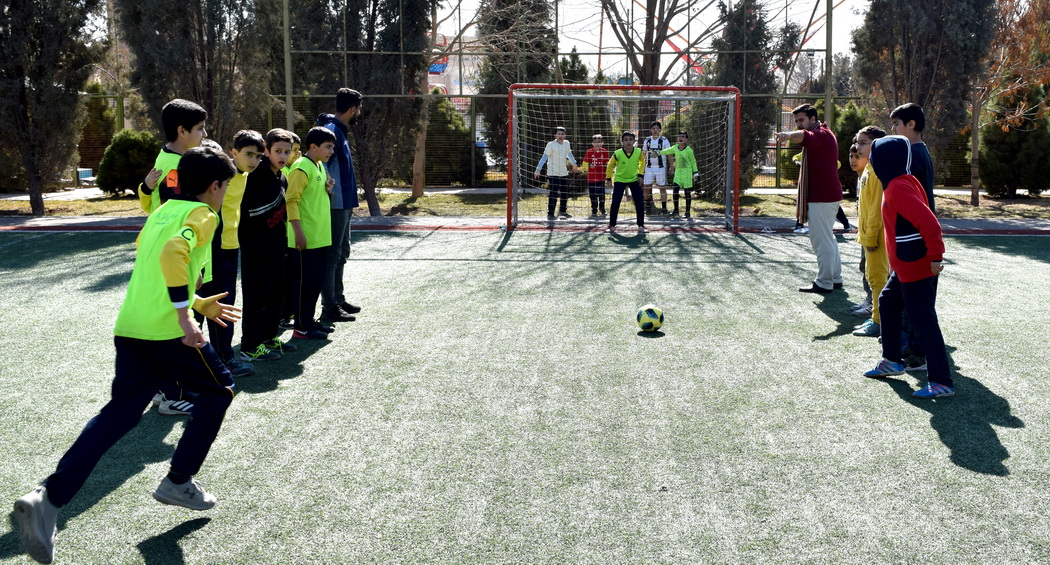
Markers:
point(495, 403)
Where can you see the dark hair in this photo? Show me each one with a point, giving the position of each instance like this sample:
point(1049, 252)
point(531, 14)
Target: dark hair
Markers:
point(559, 128)
point(807, 108)
point(295, 138)
point(683, 133)
point(247, 137)
point(318, 135)
point(277, 135)
point(627, 133)
point(874, 132)
point(200, 167)
point(854, 149)
point(657, 124)
point(183, 113)
point(211, 143)
point(347, 98)
point(910, 112)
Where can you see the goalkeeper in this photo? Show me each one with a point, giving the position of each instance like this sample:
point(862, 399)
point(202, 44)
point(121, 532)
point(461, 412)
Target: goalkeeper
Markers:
point(684, 164)
point(625, 170)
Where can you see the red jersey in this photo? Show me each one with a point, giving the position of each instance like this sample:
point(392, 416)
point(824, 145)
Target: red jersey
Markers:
point(822, 160)
point(597, 160)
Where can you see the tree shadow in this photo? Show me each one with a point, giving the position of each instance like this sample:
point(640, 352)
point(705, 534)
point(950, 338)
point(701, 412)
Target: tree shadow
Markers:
point(142, 446)
point(964, 422)
point(164, 549)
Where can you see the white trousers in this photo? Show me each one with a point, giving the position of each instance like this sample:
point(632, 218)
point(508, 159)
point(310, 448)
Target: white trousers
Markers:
point(822, 238)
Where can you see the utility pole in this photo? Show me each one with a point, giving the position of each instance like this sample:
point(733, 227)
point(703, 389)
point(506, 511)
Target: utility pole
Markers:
point(829, 105)
point(289, 112)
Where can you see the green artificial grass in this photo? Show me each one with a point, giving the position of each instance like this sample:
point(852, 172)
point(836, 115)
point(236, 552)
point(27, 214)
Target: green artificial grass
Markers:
point(495, 402)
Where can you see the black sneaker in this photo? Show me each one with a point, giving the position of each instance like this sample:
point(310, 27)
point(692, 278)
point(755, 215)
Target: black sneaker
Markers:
point(321, 326)
point(287, 324)
point(565, 214)
point(336, 314)
point(309, 334)
point(350, 308)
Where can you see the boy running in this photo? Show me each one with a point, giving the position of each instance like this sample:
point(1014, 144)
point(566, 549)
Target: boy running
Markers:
point(157, 341)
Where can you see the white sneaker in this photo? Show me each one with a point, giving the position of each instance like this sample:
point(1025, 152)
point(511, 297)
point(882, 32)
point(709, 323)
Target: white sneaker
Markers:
point(641, 229)
point(189, 494)
point(158, 398)
point(37, 524)
point(175, 407)
point(610, 229)
point(801, 230)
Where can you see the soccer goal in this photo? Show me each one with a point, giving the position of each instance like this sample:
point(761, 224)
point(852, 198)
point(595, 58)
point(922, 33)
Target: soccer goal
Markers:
point(710, 115)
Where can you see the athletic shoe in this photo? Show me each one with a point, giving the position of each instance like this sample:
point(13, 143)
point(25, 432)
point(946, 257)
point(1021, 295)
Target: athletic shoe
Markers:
point(309, 334)
point(319, 325)
point(175, 407)
point(565, 215)
point(602, 212)
point(349, 308)
point(189, 494)
point(836, 285)
point(610, 229)
point(934, 390)
point(913, 363)
point(862, 310)
point(869, 329)
point(551, 217)
point(287, 324)
point(801, 230)
point(336, 314)
point(814, 289)
point(261, 353)
point(239, 369)
point(864, 323)
point(278, 346)
point(158, 398)
point(641, 229)
point(885, 368)
point(37, 524)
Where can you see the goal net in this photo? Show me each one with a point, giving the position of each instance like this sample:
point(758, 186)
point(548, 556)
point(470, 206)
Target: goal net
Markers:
point(710, 116)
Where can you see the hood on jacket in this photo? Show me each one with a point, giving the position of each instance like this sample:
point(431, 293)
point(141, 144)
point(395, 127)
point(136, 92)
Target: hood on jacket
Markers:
point(323, 119)
point(890, 157)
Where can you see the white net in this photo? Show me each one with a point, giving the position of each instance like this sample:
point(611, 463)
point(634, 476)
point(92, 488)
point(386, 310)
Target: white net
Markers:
point(707, 114)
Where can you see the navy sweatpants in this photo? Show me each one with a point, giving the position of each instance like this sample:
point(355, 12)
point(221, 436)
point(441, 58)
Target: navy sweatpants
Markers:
point(636, 196)
point(142, 366)
point(918, 299)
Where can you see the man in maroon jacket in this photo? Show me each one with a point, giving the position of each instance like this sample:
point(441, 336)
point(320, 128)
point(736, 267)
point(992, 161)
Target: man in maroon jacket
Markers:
point(915, 248)
point(824, 193)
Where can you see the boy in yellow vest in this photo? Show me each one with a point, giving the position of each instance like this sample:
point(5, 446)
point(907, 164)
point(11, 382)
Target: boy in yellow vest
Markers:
point(157, 342)
point(309, 231)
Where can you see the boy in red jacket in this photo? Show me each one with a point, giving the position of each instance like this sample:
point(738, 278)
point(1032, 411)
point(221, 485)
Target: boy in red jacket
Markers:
point(915, 248)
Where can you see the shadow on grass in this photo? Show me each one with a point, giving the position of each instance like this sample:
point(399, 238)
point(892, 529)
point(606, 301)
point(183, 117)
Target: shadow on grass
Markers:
point(1031, 247)
point(269, 373)
point(964, 422)
point(651, 335)
point(835, 305)
point(164, 549)
point(142, 446)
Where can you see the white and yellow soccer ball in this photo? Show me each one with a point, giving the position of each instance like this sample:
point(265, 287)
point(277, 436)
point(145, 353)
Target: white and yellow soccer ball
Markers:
point(650, 318)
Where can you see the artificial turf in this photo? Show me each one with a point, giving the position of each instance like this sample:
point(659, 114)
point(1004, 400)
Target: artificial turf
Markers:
point(495, 402)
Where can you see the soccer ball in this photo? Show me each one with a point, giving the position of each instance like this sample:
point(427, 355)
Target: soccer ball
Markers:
point(650, 318)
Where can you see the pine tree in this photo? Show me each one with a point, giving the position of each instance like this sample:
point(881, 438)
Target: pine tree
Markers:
point(522, 33)
point(746, 59)
point(47, 51)
point(1014, 155)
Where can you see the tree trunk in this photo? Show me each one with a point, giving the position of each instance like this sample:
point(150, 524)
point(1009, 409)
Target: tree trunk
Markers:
point(36, 191)
point(419, 161)
point(975, 168)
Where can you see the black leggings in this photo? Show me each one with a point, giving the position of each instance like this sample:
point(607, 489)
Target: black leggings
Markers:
point(636, 196)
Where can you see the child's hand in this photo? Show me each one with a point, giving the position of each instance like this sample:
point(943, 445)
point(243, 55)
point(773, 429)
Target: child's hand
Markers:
point(329, 185)
point(936, 267)
point(300, 240)
point(152, 178)
point(216, 311)
point(192, 334)
point(535, 175)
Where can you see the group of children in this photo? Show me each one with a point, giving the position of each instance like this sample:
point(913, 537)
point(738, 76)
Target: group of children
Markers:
point(264, 207)
point(637, 169)
point(902, 250)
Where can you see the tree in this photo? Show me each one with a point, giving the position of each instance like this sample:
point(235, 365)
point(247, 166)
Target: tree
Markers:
point(643, 37)
point(451, 147)
point(520, 33)
point(379, 48)
point(126, 161)
point(746, 59)
point(1018, 59)
point(1015, 152)
point(98, 128)
point(221, 54)
point(924, 51)
point(49, 47)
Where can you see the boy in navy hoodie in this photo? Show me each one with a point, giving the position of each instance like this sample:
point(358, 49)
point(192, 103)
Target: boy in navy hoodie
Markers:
point(915, 248)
